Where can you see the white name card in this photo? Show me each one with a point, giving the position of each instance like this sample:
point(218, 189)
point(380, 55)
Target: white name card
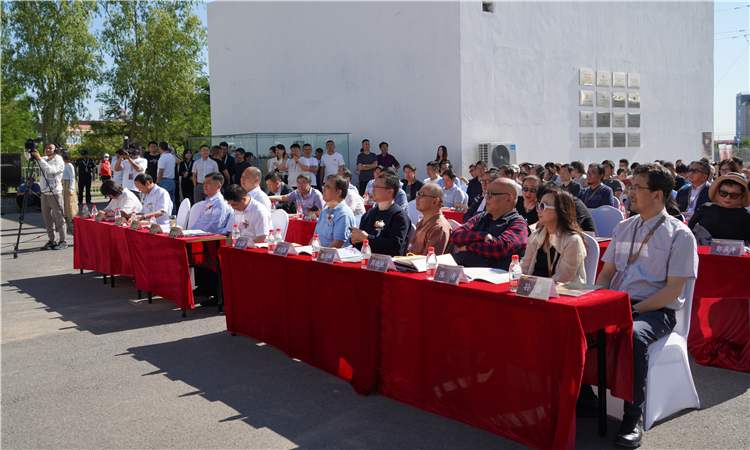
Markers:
point(540, 288)
point(450, 274)
point(379, 263)
point(284, 249)
point(727, 247)
point(241, 243)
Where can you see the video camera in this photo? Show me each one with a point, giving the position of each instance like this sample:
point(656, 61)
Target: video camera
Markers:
point(123, 151)
point(32, 144)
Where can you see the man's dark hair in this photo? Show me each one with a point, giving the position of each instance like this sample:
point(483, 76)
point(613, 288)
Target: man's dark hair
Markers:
point(680, 168)
point(340, 184)
point(494, 174)
point(295, 145)
point(216, 176)
point(280, 147)
point(599, 168)
point(134, 146)
point(545, 188)
point(143, 178)
point(393, 171)
point(551, 165)
point(411, 167)
point(444, 162)
point(451, 174)
point(164, 145)
point(110, 187)
point(634, 165)
point(305, 177)
point(659, 179)
point(577, 165)
point(705, 166)
point(668, 164)
point(608, 162)
point(153, 142)
point(204, 145)
point(380, 168)
point(382, 144)
point(365, 140)
point(621, 170)
point(330, 142)
point(484, 164)
point(506, 169)
point(240, 150)
point(391, 182)
point(434, 164)
point(539, 169)
point(234, 192)
point(567, 167)
point(273, 176)
point(347, 173)
point(740, 163)
point(623, 160)
point(223, 144)
point(318, 150)
point(307, 145)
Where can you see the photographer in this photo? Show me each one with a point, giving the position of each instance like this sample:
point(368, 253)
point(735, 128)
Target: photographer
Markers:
point(52, 167)
point(131, 164)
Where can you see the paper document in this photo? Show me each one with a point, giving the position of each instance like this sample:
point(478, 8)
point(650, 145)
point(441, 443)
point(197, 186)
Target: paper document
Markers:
point(193, 233)
point(572, 289)
point(418, 263)
point(488, 274)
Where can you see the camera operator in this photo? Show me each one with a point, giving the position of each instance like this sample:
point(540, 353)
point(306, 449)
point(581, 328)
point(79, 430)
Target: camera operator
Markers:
point(131, 164)
point(52, 167)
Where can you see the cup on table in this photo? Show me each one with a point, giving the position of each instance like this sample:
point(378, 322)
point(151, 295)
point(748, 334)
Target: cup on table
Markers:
point(172, 221)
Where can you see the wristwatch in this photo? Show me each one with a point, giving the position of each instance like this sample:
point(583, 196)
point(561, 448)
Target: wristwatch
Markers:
point(635, 312)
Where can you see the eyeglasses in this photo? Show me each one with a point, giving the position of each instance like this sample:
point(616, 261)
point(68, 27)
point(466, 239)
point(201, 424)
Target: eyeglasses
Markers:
point(325, 186)
point(379, 187)
point(486, 181)
point(635, 188)
point(724, 170)
point(303, 183)
point(695, 171)
point(532, 190)
point(488, 194)
point(421, 194)
point(541, 207)
point(732, 195)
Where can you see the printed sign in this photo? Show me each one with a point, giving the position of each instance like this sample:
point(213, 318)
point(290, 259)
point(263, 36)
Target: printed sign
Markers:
point(176, 232)
point(378, 263)
point(241, 243)
point(308, 217)
point(448, 274)
point(539, 288)
point(727, 247)
point(282, 248)
point(100, 216)
point(135, 224)
point(154, 229)
point(118, 222)
point(326, 255)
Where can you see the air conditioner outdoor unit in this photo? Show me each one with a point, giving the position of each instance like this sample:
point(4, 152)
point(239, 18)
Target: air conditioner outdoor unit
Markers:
point(497, 153)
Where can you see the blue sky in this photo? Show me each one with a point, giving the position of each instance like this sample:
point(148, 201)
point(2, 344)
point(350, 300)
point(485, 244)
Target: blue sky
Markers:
point(731, 62)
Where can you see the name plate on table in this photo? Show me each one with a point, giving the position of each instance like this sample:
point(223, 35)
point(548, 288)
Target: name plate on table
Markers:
point(539, 288)
point(326, 255)
point(379, 263)
point(118, 222)
point(100, 216)
point(241, 243)
point(308, 217)
point(134, 224)
point(282, 248)
point(727, 247)
point(175, 232)
point(450, 274)
point(154, 229)
point(85, 215)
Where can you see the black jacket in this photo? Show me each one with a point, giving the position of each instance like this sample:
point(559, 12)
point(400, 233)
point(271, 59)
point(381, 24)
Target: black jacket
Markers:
point(289, 207)
point(414, 189)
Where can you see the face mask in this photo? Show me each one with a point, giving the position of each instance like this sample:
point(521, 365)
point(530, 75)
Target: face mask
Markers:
point(106, 158)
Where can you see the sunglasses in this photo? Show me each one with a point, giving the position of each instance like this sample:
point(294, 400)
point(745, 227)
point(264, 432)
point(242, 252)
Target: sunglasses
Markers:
point(695, 171)
point(541, 207)
point(733, 196)
point(532, 190)
point(488, 194)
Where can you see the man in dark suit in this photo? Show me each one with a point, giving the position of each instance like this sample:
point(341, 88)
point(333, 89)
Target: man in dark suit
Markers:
point(474, 189)
point(695, 193)
point(278, 187)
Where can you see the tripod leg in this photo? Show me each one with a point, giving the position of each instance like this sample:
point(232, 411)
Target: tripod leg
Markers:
point(20, 223)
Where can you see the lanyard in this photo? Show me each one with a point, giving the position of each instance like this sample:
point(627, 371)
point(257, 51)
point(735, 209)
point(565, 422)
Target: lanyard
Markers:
point(631, 256)
point(591, 194)
point(551, 266)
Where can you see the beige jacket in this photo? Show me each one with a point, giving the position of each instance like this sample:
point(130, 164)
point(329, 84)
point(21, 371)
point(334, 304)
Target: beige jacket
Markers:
point(572, 254)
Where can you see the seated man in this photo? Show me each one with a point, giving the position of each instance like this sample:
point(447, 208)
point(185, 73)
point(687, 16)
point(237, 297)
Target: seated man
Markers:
point(277, 187)
point(253, 219)
point(453, 194)
point(250, 181)
point(695, 192)
point(120, 198)
point(652, 272)
point(401, 199)
point(433, 230)
point(480, 203)
point(31, 199)
point(156, 201)
point(433, 174)
point(353, 200)
point(310, 199)
point(386, 225)
point(596, 194)
point(215, 213)
point(333, 228)
point(491, 238)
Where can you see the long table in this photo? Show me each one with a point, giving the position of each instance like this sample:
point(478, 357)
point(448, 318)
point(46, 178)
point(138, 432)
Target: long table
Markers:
point(474, 352)
point(102, 247)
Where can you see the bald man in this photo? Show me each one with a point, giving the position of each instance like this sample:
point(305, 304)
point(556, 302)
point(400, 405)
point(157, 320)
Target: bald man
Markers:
point(250, 181)
point(491, 238)
point(433, 230)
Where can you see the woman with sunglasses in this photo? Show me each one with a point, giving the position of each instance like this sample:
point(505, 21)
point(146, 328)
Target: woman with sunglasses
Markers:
point(556, 249)
point(725, 216)
point(526, 204)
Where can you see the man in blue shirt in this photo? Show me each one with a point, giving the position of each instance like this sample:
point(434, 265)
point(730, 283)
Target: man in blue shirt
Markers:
point(31, 199)
point(596, 194)
point(309, 198)
point(215, 213)
point(453, 194)
point(333, 228)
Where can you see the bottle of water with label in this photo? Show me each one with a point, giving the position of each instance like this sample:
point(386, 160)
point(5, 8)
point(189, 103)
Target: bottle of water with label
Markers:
point(271, 240)
point(299, 211)
point(315, 247)
point(432, 263)
point(366, 253)
point(515, 273)
point(84, 211)
point(153, 220)
point(117, 213)
point(273, 206)
point(94, 211)
point(366, 198)
point(235, 233)
point(278, 237)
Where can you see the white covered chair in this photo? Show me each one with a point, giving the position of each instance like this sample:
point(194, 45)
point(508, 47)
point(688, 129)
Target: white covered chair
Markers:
point(357, 220)
point(413, 213)
point(454, 224)
point(616, 201)
point(669, 383)
point(411, 232)
point(606, 219)
point(280, 219)
point(195, 212)
point(592, 258)
point(183, 213)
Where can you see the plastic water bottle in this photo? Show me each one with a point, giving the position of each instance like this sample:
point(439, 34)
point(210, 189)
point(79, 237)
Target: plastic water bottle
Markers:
point(432, 263)
point(367, 198)
point(278, 237)
point(299, 211)
point(94, 211)
point(273, 206)
point(271, 239)
point(515, 273)
point(366, 253)
point(622, 210)
point(315, 247)
point(117, 213)
point(153, 220)
point(84, 211)
point(235, 233)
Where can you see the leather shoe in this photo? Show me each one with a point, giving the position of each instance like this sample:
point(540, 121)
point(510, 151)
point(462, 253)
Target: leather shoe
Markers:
point(631, 432)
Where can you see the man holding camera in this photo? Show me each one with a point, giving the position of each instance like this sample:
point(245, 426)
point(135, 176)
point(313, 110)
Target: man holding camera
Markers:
point(131, 164)
point(52, 167)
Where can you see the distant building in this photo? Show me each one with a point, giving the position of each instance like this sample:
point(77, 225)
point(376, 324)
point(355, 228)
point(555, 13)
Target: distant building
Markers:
point(743, 116)
point(75, 134)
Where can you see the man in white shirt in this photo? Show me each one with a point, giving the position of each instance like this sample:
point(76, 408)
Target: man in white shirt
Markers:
point(273, 161)
point(352, 199)
point(308, 163)
point(432, 174)
point(165, 172)
point(253, 220)
point(332, 161)
point(50, 182)
point(251, 183)
point(292, 165)
point(131, 165)
point(120, 198)
point(201, 168)
point(156, 201)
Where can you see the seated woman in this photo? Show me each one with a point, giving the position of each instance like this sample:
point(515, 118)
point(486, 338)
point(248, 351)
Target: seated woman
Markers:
point(121, 198)
point(526, 204)
point(556, 249)
point(725, 216)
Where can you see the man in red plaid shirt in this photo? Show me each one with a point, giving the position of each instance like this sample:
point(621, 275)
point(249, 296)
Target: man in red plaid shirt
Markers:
point(491, 238)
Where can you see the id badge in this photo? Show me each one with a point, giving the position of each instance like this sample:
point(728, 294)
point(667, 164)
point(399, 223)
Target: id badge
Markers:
point(617, 279)
point(131, 176)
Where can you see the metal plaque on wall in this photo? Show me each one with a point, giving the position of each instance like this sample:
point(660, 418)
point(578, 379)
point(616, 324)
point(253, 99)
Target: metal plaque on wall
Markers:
point(634, 139)
point(586, 77)
point(586, 119)
point(618, 120)
point(602, 78)
point(586, 98)
point(602, 99)
point(618, 79)
point(587, 140)
point(618, 139)
point(634, 100)
point(634, 81)
point(603, 119)
point(618, 99)
point(602, 140)
point(634, 120)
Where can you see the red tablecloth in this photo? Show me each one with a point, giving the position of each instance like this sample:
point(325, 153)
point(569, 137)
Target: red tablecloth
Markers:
point(509, 365)
point(102, 247)
point(302, 308)
point(300, 232)
point(457, 216)
point(720, 321)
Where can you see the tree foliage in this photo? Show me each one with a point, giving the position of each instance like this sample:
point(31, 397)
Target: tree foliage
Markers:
point(49, 52)
point(17, 119)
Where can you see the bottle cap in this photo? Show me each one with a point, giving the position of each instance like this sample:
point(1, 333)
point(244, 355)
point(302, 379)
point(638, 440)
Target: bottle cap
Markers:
point(431, 249)
point(271, 230)
point(514, 258)
point(235, 225)
point(366, 241)
point(278, 229)
point(315, 236)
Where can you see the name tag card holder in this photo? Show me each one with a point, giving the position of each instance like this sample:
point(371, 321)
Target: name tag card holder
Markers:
point(327, 255)
point(540, 288)
point(308, 217)
point(728, 247)
point(380, 263)
point(154, 229)
point(100, 216)
point(450, 274)
point(175, 232)
point(134, 225)
point(241, 243)
point(284, 249)
point(118, 222)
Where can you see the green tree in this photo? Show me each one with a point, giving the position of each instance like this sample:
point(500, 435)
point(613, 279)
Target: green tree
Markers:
point(17, 119)
point(156, 50)
point(745, 143)
point(50, 53)
point(105, 137)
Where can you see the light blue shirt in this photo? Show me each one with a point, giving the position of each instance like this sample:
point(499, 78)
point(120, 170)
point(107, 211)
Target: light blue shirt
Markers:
point(337, 227)
point(455, 196)
point(402, 200)
point(157, 200)
point(214, 215)
point(314, 198)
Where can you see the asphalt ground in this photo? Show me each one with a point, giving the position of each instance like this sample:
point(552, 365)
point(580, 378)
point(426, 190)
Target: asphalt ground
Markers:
point(88, 366)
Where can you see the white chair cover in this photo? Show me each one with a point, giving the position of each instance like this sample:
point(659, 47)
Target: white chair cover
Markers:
point(280, 219)
point(606, 219)
point(616, 201)
point(411, 232)
point(592, 258)
point(413, 213)
point(183, 213)
point(454, 224)
point(357, 220)
point(195, 212)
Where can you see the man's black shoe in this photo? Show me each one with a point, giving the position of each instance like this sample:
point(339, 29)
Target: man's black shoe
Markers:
point(631, 432)
point(211, 301)
point(49, 245)
point(62, 245)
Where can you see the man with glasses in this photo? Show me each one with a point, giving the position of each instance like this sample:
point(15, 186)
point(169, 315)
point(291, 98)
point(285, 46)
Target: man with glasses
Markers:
point(310, 199)
point(596, 194)
point(250, 181)
point(337, 219)
point(433, 230)
point(491, 238)
point(695, 193)
point(479, 204)
point(386, 225)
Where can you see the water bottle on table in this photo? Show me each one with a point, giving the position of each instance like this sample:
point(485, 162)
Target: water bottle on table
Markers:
point(235, 233)
point(299, 211)
point(315, 247)
point(515, 273)
point(271, 241)
point(84, 211)
point(366, 253)
point(94, 211)
point(278, 237)
point(432, 263)
point(117, 213)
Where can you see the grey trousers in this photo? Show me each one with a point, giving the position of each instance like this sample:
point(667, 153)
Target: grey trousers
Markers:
point(198, 194)
point(51, 211)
